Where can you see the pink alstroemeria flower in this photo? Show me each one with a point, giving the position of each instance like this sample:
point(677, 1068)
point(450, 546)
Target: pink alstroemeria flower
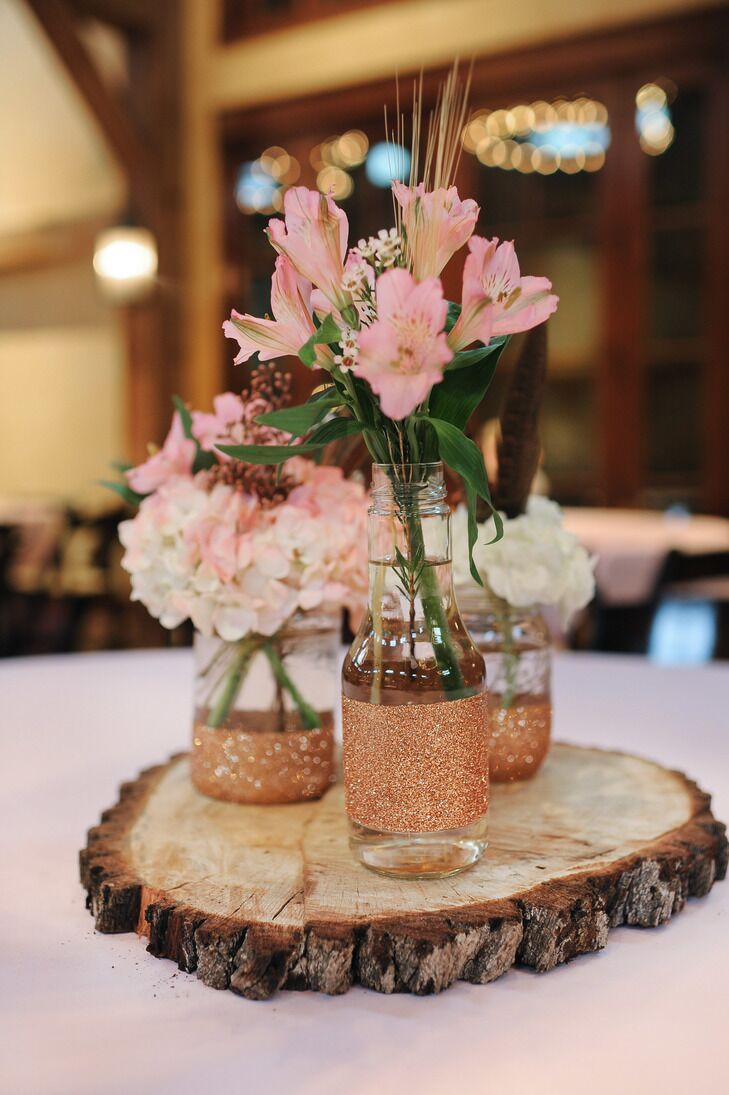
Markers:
point(284, 335)
point(403, 353)
point(435, 223)
point(209, 428)
point(174, 458)
point(313, 236)
point(496, 299)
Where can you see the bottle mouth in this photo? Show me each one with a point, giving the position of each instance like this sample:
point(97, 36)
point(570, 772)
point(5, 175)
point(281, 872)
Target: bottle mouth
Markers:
point(409, 473)
point(408, 486)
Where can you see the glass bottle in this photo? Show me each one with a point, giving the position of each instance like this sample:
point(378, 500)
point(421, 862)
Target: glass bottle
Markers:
point(414, 704)
point(263, 719)
point(516, 645)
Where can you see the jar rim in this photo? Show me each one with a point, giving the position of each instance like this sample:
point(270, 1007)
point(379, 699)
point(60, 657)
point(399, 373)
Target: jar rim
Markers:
point(436, 465)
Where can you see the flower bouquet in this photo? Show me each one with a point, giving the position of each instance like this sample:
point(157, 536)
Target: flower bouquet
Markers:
point(261, 560)
point(405, 369)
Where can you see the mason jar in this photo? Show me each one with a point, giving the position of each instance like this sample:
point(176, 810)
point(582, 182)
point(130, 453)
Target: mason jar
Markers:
point(263, 712)
point(516, 646)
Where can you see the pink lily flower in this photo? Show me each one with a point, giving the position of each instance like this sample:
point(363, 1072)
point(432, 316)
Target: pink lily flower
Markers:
point(435, 223)
point(403, 353)
point(496, 299)
point(174, 458)
point(284, 335)
point(313, 236)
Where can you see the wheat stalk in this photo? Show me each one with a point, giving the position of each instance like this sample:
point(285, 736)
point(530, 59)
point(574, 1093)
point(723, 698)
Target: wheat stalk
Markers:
point(443, 144)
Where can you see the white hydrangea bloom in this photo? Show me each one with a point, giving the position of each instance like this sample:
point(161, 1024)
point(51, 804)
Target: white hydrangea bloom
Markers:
point(217, 558)
point(537, 561)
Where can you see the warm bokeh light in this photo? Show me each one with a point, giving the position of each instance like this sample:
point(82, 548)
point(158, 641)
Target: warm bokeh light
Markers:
point(335, 182)
point(653, 117)
point(351, 148)
point(125, 261)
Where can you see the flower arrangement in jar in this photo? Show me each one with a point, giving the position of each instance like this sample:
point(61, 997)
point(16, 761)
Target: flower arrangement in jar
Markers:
point(261, 560)
point(405, 369)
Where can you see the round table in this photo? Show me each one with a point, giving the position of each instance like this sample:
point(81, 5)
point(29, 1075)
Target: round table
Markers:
point(632, 546)
point(84, 1013)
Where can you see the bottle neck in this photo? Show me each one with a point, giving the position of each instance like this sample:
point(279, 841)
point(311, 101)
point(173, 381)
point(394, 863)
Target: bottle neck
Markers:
point(409, 532)
point(402, 490)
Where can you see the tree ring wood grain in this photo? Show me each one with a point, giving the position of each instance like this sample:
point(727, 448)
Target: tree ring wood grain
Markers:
point(258, 898)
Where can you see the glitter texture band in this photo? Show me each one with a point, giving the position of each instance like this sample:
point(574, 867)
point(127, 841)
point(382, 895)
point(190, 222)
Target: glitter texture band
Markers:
point(416, 768)
point(264, 767)
point(519, 739)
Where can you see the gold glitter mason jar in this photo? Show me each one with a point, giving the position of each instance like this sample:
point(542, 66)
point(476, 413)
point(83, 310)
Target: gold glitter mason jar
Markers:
point(414, 705)
point(516, 645)
point(263, 722)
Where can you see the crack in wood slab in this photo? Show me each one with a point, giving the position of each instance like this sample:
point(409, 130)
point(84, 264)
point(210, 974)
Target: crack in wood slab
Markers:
point(257, 899)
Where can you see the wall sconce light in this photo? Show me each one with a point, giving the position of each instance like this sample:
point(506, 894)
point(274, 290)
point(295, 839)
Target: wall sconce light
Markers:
point(125, 261)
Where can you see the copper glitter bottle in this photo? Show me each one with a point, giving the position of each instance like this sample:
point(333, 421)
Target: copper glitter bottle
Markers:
point(414, 702)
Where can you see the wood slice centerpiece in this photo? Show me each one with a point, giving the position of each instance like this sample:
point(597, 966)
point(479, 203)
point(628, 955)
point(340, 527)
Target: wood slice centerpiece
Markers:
point(257, 898)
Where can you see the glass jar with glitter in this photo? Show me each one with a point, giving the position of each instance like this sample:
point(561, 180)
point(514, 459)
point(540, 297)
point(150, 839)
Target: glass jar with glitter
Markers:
point(516, 646)
point(414, 704)
point(263, 721)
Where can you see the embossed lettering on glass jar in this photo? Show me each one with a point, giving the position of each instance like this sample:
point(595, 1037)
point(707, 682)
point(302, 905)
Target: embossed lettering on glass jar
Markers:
point(414, 705)
point(263, 724)
point(516, 646)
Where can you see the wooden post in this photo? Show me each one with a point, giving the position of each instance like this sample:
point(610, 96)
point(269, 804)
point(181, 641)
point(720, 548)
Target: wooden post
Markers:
point(716, 395)
point(623, 262)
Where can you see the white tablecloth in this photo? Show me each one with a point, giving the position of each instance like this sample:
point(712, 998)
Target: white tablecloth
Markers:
point(632, 546)
point(86, 1014)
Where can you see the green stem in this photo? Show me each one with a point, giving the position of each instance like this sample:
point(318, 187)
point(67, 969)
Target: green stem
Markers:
point(233, 681)
point(309, 718)
point(377, 591)
point(438, 627)
point(510, 654)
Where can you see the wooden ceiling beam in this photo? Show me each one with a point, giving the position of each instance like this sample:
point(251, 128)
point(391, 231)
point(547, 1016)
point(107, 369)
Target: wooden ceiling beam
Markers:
point(134, 16)
point(53, 246)
point(58, 22)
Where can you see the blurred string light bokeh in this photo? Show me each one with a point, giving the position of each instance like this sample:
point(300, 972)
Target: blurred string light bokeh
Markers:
point(261, 184)
point(566, 135)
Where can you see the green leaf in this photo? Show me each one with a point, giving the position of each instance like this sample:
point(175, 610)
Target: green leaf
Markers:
point(121, 466)
point(465, 458)
point(471, 502)
point(325, 335)
point(299, 420)
point(334, 430)
point(203, 460)
point(124, 491)
point(324, 393)
point(465, 358)
point(454, 311)
point(185, 416)
point(267, 454)
point(460, 391)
